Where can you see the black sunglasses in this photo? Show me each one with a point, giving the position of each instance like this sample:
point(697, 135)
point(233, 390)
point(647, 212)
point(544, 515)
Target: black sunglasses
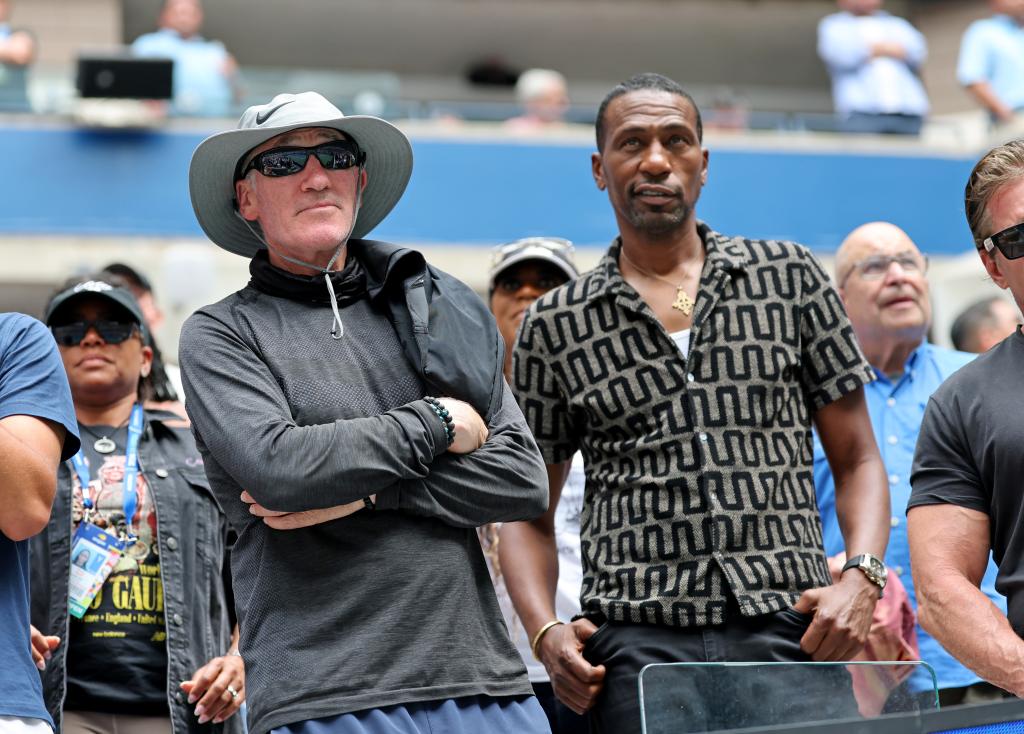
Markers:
point(112, 332)
point(334, 155)
point(1010, 242)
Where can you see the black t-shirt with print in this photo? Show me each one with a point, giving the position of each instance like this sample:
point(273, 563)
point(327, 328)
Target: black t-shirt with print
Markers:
point(117, 652)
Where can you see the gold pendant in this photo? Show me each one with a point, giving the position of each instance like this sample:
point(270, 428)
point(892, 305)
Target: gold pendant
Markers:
point(683, 302)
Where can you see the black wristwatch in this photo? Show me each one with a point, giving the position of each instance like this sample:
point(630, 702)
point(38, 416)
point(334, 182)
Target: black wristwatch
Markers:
point(871, 566)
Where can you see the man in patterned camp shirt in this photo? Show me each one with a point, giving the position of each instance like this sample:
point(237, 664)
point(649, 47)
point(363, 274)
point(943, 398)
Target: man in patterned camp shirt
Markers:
point(687, 367)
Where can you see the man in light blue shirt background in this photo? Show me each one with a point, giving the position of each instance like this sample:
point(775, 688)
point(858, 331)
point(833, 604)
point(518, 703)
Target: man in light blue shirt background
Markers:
point(874, 59)
point(204, 71)
point(991, 63)
point(881, 277)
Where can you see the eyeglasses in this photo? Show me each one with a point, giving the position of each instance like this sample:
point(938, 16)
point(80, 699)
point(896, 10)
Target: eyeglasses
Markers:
point(876, 266)
point(334, 155)
point(1010, 242)
point(112, 332)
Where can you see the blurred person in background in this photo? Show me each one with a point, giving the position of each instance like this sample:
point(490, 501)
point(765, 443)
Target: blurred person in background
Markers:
point(165, 377)
point(544, 97)
point(38, 430)
point(983, 324)
point(991, 63)
point(966, 494)
point(205, 74)
point(875, 60)
point(17, 51)
point(140, 639)
point(882, 279)
point(521, 272)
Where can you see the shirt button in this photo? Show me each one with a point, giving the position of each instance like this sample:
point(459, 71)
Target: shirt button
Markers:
point(177, 619)
point(162, 473)
point(893, 440)
point(894, 479)
point(703, 437)
point(891, 402)
point(898, 570)
point(690, 377)
point(178, 697)
point(894, 522)
point(172, 543)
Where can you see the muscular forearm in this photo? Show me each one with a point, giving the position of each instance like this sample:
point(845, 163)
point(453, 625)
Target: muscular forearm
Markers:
point(529, 562)
point(974, 631)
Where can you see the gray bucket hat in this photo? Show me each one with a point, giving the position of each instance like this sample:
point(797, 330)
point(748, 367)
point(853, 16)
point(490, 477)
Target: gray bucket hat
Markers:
point(211, 175)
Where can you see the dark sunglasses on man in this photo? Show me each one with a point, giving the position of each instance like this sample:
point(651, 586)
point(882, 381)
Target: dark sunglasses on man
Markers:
point(1010, 242)
point(334, 155)
point(112, 332)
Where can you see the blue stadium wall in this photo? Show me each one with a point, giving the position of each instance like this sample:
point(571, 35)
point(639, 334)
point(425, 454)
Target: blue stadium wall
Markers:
point(66, 181)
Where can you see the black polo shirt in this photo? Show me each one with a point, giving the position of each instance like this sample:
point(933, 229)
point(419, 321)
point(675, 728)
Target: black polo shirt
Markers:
point(699, 469)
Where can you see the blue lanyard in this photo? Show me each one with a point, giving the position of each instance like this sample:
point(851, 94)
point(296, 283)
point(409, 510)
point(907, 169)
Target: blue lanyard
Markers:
point(131, 471)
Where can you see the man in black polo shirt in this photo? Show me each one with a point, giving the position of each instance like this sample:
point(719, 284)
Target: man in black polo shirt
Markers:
point(687, 367)
point(966, 482)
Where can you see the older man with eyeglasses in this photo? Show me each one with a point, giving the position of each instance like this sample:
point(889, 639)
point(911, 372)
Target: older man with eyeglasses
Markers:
point(882, 279)
point(968, 467)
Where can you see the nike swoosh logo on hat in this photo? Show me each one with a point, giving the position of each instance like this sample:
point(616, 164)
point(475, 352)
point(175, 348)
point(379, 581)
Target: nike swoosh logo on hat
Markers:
point(265, 115)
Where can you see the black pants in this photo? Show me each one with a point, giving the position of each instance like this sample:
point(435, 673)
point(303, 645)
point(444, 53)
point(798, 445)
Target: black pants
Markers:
point(716, 698)
point(563, 719)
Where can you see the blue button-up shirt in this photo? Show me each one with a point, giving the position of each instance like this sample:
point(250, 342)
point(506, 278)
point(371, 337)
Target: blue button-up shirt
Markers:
point(201, 86)
point(873, 85)
point(896, 410)
point(992, 51)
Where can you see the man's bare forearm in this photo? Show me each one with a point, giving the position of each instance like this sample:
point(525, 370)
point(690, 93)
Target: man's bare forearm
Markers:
point(529, 563)
point(949, 551)
point(973, 630)
point(983, 93)
point(862, 507)
point(529, 558)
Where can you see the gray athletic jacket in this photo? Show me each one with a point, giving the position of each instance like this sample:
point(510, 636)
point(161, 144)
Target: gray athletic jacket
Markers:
point(387, 606)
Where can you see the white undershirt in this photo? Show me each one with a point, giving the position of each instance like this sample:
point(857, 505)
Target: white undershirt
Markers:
point(682, 340)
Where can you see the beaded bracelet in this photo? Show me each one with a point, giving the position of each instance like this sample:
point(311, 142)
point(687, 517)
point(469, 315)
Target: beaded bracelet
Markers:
point(446, 418)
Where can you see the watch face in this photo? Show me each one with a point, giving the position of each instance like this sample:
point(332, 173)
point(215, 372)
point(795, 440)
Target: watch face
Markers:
point(876, 570)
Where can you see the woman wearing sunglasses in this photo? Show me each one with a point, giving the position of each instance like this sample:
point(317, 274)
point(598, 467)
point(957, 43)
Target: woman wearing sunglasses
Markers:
point(138, 638)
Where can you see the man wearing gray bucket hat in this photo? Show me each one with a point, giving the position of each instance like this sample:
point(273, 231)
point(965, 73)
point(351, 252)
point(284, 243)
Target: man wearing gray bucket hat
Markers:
point(354, 491)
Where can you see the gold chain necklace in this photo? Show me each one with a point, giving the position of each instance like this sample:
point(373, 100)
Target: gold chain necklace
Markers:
point(683, 301)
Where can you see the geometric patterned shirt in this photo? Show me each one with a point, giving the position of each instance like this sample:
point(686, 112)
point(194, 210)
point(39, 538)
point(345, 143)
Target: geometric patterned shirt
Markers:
point(699, 469)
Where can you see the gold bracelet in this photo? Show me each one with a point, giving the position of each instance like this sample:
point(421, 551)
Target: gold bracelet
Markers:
point(540, 636)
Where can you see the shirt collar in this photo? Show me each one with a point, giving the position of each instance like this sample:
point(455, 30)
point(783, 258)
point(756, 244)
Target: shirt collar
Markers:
point(177, 36)
point(909, 366)
point(721, 252)
point(1005, 20)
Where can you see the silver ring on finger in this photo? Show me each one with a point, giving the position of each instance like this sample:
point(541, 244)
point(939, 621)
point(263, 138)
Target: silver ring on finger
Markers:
point(233, 692)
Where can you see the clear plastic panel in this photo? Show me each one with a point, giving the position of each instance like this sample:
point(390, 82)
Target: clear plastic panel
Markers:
point(713, 697)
